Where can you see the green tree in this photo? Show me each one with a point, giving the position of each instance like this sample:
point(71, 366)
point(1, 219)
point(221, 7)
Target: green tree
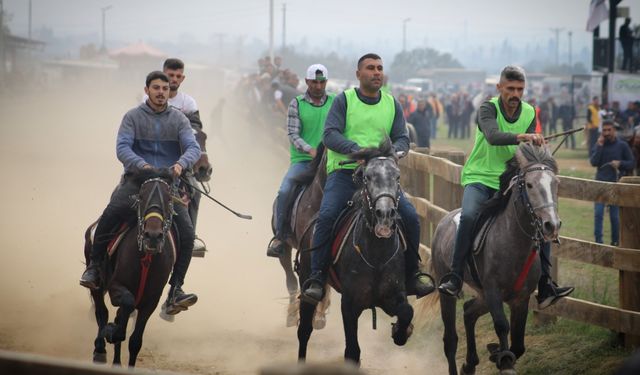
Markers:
point(406, 64)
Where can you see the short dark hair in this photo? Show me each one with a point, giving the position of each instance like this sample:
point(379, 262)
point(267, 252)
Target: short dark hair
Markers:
point(512, 73)
point(156, 74)
point(173, 64)
point(368, 56)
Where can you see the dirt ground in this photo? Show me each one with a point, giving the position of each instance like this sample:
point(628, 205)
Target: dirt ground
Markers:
point(57, 153)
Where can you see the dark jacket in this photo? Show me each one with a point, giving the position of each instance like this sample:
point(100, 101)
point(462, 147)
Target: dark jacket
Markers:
point(616, 150)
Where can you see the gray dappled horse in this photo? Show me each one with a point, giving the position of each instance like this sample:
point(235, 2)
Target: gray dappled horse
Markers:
point(305, 217)
point(371, 267)
point(525, 214)
point(149, 245)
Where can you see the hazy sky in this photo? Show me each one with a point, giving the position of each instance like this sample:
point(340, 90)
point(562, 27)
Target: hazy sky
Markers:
point(325, 24)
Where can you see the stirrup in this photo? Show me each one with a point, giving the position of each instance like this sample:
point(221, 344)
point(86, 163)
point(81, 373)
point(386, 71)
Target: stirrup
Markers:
point(450, 277)
point(199, 251)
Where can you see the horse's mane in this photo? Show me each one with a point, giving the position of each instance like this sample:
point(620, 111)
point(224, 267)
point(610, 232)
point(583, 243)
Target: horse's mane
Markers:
point(141, 175)
point(533, 155)
point(309, 174)
point(384, 149)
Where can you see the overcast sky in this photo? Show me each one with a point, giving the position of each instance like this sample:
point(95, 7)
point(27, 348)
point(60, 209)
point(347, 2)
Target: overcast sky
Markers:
point(324, 24)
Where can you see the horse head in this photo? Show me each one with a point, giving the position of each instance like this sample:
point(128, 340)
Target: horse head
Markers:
point(155, 208)
point(202, 168)
point(537, 186)
point(379, 179)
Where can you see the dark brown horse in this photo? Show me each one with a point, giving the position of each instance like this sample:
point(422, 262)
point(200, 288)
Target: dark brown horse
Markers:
point(139, 269)
point(371, 268)
point(302, 233)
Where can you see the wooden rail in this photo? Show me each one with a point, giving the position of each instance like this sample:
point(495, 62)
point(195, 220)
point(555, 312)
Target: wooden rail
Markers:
point(442, 176)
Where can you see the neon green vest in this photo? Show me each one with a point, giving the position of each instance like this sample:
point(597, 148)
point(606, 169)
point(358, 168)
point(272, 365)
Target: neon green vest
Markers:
point(366, 125)
point(486, 162)
point(311, 125)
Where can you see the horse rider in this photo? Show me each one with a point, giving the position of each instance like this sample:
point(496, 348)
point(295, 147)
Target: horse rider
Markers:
point(174, 69)
point(152, 135)
point(305, 123)
point(361, 117)
point(503, 121)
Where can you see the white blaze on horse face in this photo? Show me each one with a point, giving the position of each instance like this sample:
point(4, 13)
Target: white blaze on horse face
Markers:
point(545, 182)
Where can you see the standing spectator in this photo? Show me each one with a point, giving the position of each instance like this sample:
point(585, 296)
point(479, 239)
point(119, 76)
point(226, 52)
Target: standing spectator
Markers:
point(421, 121)
point(566, 114)
point(438, 109)
point(592, 130)
point(614, 159)
point(465, 116)
point(635, 148)
point(626, 39)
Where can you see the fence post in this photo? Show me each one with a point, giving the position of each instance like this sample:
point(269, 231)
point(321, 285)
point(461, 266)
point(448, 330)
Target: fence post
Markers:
point(422, 188)
point(447, 194)
point(629, 286)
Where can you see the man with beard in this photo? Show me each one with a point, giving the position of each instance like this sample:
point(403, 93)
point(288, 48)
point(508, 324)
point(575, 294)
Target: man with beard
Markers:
point(503, 122)
point(613, 158)
point(305, 124)
point(152, 135)
point(359, 118)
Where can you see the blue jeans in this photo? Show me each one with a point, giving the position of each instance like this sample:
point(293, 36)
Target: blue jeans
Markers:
point(338, 190)
point(614, 215)
point(474, 196)
point(286, 186)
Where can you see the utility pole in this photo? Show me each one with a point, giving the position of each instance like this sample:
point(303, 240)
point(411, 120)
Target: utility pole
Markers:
point(271, 30)
point(284, 26)
point(570, 33)
point(29, 19)
point(104, 29)
point(404, 33)
point(2, 55)
point(557, 30)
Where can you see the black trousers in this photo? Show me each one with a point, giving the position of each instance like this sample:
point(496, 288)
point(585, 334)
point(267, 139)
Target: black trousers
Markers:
point(121, 209)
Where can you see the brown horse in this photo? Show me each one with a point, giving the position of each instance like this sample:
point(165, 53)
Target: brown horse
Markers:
point(138, 271)
point(301, 234)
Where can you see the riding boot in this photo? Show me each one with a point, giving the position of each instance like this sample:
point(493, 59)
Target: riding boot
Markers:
point(418, 283)
point(548, 291)
point(102, 236)
point(276, 248)
point(313, 288)
point(451, 284)
point(178, 300)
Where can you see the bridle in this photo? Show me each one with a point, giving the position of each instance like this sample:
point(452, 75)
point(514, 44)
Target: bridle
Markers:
point(519, 181)
point(367, 195)
point(154, 208)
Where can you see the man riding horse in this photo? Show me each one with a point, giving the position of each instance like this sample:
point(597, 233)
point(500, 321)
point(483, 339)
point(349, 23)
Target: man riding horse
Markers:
point(503, 121)
point(359, 118)
point(305, 124)
point(185, 103)
point(152, 135)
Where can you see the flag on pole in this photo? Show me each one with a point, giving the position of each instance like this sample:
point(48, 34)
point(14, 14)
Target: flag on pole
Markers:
point(598, 12)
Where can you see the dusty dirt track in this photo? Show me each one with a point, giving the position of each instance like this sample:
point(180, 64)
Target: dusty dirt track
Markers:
point(57, 156)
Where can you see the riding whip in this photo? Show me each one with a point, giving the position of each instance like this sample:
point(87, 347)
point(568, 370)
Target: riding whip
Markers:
point(242, 216)
point(564, 134)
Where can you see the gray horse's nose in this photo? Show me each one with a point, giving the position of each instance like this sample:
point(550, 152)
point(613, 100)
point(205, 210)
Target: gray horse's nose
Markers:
point(549, 227)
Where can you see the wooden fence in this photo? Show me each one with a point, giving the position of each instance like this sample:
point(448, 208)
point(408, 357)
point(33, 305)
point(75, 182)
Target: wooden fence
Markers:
point(433, 184)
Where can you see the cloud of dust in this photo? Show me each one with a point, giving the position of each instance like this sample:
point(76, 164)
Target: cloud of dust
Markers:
point(57, 148)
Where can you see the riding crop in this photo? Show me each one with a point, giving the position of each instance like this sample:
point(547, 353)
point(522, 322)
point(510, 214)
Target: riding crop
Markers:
point(242, 216)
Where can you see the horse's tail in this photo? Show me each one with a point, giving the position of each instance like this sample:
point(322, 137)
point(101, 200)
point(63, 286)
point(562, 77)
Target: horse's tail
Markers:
point(426, 310)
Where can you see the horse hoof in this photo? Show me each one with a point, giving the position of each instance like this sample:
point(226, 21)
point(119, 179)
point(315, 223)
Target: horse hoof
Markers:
point(112, 334)
point(465, 369)
point(400, 338)
point(99, 357)
point(319, 322)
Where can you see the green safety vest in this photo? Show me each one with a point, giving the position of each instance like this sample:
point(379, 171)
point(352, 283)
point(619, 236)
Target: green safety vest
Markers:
point(486, 162)
point(366, 125)
point(311, 125)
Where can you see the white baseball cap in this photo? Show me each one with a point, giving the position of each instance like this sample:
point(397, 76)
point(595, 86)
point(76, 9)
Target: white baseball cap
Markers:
point(317, 72)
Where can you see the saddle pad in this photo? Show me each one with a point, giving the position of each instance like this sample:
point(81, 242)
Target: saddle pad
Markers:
point(122, 231)
point(344, 227)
